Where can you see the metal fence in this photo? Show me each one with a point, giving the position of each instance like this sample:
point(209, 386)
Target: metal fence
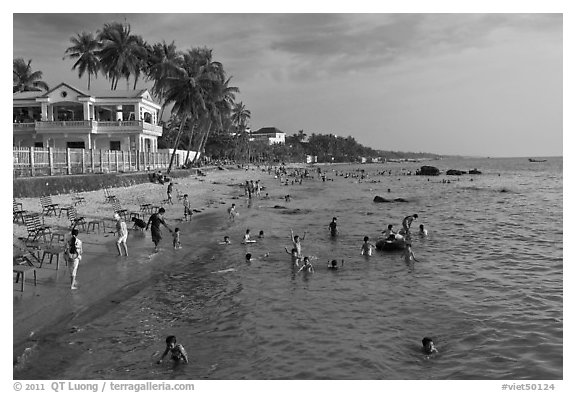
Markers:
point(33, 161)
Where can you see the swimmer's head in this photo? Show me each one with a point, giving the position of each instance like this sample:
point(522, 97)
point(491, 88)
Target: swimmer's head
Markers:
point(421, 226)
point(75, 232)
point(296, 238)
point(247, 231)
point(366, 238)
point(171, 341)
point(116, 216)
point(334, 262)
point(334, 218)
point(428, 345)
point(306, 259)
point(390, 226)
point(176, 230)
point(261, 233)
point(161, 210)
point(415, 215)
point(226, 238)
point(248, 256)
point(185, 195)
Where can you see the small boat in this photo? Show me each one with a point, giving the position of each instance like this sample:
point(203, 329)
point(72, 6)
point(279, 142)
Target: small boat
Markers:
point(535, 160)
point(391, 245)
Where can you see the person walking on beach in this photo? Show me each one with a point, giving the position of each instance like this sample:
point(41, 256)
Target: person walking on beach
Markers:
point(333, 227)
point(187, 209)
point(154, 223)
point(407, 222)
point(73, 253)
point(176, 239)
point(296, 242)
point(169, 193)
point(122, 232)
point(232, 214)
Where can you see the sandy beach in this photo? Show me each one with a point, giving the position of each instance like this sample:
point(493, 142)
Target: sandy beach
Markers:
point(52, 305)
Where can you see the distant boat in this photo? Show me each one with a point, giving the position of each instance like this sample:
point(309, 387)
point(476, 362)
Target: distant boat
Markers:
point(535, 160)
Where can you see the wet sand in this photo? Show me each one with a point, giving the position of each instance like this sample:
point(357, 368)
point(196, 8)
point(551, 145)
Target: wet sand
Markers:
point(104, 278)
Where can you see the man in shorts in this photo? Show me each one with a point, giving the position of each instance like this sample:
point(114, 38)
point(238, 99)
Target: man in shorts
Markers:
point(122, 232)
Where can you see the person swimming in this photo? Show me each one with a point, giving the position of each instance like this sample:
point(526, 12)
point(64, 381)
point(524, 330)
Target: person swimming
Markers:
point(428, 346)
point(333, 264)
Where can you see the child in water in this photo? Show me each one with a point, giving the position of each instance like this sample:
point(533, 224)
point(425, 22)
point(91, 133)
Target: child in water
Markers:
point(428, 346)
point(333, 265)
point(307, 266)
point(367, 247)
point(294, 255)
point(177, 351)
point(176, 239)
point(226, 240)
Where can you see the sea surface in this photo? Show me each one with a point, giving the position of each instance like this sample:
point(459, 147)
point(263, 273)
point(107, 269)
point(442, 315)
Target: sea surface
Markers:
point(487, 286)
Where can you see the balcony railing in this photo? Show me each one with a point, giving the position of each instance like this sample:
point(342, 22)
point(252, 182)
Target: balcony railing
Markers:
point(89, 125)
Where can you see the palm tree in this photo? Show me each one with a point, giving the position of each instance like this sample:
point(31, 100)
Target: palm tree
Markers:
point(24, 79)
point(240, 116)
point(85, 49)
point(182, 85)
point(162, 60)
point(219, 103)
point(121, 52)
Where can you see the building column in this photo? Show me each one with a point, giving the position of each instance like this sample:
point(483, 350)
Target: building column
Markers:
point(86, 107)
point(44, 111)
point(119, 114)
point(51, 113)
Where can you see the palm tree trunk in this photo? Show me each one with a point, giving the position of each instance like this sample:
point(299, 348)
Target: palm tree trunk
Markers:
point(176, 144)
point(204, 139)
point(192, 126)
point(88, 81)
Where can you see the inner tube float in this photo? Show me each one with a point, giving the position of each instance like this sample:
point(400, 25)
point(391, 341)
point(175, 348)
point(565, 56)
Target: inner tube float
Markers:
point(391, 245)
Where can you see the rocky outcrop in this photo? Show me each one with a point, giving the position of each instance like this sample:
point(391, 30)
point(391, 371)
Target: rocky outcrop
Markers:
point(474, 172)
point(428, 170)
point(455, 172)
point(379, 199)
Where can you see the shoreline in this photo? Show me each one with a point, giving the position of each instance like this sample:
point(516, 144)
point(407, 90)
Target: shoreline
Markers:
point(52, 308)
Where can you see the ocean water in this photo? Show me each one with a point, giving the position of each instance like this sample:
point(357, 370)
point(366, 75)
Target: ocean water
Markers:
point(487, 287)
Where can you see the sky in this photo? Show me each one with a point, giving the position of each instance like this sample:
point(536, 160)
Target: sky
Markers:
point(478, 84)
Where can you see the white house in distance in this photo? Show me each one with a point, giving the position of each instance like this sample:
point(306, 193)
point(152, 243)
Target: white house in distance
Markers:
point(272, 134)
point(67, 117)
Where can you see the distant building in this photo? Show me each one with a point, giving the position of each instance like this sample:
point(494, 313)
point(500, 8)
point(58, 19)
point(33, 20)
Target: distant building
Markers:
point(272, 134)
point(311, 159)
point(69, 117)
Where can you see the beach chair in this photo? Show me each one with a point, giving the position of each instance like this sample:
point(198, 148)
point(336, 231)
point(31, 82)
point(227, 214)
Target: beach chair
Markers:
point(78, 199)
point(21, 271)
point(75, 219)
point(54, 249)
point(22, 254)
point(35, 227)
point(47, 205)
point(17, 212)
point(108, 196)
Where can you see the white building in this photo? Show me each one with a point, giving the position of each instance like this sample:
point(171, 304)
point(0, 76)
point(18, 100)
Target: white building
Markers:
point(69, 117)
point(271, 134)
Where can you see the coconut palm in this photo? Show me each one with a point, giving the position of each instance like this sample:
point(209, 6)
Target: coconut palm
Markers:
point(219, 101)
point(240, 116)
point(184, 87)
point(24, 79)
point(162, 60)
point(85, 49)
point(121, 52)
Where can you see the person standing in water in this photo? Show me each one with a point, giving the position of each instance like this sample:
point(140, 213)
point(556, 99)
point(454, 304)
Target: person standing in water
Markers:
point(154, 223)
point(407, 222)
point(296, 242)
point(122, 232)
point(333, 227)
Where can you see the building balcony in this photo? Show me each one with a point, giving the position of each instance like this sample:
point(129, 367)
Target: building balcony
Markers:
point(88, 126)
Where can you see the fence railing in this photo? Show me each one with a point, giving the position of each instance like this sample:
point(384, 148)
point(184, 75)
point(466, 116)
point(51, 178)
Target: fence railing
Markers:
point(33, 161)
